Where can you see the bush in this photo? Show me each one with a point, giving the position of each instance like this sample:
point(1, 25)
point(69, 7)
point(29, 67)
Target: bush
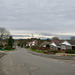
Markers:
point(47, 51)
point(70, 51)
point(18, 45)
point(54, 51)
point(51, 51)
point(47, 45)
point(1, 45)
point(7, 48)
point(27, 47)
point(34, 47)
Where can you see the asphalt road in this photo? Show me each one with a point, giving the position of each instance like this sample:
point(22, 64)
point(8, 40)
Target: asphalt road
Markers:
point(20, 62)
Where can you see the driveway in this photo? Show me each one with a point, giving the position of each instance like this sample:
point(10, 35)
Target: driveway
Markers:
point(20, 62)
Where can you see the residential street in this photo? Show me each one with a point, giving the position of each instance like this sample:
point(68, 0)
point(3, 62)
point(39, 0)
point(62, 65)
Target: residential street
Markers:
point(20, 62)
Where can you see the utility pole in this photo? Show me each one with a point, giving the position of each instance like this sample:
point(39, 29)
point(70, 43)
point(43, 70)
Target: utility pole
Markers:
point(32, 35)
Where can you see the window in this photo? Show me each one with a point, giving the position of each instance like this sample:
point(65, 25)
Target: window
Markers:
point(51, 47)
point(68, 47)
point(63, 46)
point(55, 47)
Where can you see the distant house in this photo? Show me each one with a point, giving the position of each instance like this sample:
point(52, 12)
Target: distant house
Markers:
point(44, 44)
point(3, 42)
point(28, 44)
point(33, 43)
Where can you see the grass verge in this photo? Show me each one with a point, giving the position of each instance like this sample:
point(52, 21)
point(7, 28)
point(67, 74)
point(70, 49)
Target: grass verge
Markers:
point(8, 50)
point(38, 51)
point(61, 53)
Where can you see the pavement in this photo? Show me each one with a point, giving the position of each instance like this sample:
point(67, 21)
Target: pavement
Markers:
point(21, 62)
point(2, 54)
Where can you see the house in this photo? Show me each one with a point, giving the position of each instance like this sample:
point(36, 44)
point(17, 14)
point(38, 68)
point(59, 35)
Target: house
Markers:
point(63, 44)
point(68, 44)
point(28, 44)
point(44, 44)
point(33, 43)
point(3, 42)
point(55, 44)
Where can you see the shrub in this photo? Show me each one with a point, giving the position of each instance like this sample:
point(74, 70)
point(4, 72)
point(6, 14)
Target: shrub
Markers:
point(47, 51)
point(34, 47)
point(18, 45)
point(27, 47)
point(8, 48)
point(70, 51)
point(47, 45)
point(1, 45)
point(51, 51)
point(54, 51)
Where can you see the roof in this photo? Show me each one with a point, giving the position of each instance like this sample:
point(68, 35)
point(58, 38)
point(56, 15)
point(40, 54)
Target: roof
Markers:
point(44, 43)
point(58, 42)
point(72, 42)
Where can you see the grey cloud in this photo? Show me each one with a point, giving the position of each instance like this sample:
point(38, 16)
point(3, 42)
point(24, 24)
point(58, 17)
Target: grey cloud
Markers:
point(51, 15)
point(47, 34)
point(21, 36)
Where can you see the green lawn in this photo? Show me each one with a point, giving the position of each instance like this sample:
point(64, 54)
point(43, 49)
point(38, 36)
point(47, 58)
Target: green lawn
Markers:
point(61, 53)
point(38, 51)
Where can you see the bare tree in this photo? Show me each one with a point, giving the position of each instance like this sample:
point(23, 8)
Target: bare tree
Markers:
point(55, 38)
point(4, 34)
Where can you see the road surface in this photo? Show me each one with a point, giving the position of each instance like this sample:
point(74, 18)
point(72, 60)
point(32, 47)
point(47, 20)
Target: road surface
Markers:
point(20, 62)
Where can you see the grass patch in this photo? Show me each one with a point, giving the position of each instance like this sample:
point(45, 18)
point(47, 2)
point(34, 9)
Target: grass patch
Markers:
point(61, 53)
point(70, 55)
point(38, 51)
point(8, 50)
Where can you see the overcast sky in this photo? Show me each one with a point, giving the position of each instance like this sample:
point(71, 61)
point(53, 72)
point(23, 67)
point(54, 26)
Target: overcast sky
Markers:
point(38, 15)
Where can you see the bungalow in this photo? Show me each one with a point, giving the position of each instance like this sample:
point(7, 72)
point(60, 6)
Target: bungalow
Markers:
point(63, 45)
point(33, 43)
point(68, 44)
point(55, 44)
point(28, 44)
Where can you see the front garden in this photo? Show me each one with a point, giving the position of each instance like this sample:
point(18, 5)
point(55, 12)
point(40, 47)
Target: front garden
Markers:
point(9, 46)
point(57, 52)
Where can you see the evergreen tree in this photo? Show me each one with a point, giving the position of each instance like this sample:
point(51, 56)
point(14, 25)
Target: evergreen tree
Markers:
point(10, 42)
